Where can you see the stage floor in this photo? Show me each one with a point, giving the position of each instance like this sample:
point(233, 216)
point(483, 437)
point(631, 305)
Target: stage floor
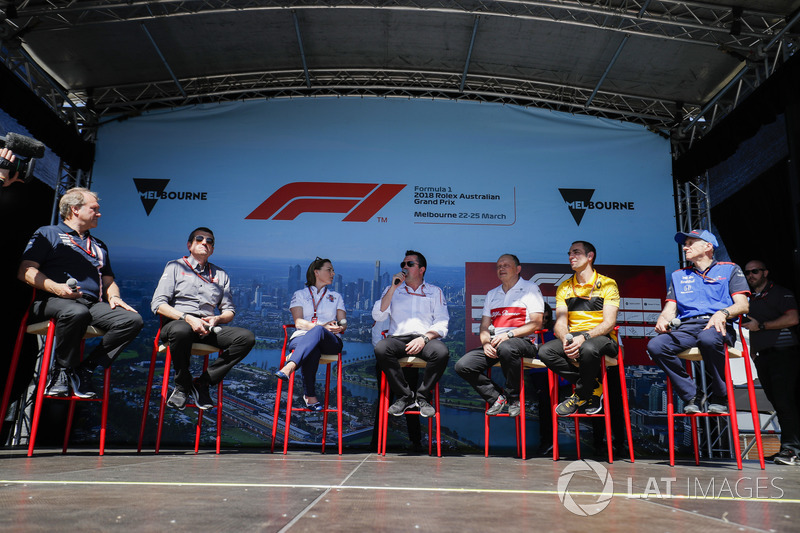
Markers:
point(245, 490)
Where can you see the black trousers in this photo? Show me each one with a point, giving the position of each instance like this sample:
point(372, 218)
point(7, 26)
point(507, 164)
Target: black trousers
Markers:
point(779, 373)
point(73, 317)
point(583, 376)
point(390, 349)
point(474, 364)
point(235, 343)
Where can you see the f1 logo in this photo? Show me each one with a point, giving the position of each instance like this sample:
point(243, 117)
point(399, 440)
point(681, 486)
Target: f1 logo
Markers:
point(359, 200)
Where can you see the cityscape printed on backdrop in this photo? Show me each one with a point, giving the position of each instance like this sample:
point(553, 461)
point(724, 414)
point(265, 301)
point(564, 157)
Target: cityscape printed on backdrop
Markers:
point(262, 294)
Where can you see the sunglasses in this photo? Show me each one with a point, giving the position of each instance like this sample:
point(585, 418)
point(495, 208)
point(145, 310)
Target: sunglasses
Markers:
point(201, 238)
point(408, 264)
point(754, 271)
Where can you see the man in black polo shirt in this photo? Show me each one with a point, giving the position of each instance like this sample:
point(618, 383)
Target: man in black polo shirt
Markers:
point(773, 320)
point(71, 271)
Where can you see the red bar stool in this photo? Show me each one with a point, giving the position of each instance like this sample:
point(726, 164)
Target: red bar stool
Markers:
point(525, 363)
point(48, 329)
point(328, 360)
point(383, 409)
point(606, 414)
point(200, 349)
point(693, 354)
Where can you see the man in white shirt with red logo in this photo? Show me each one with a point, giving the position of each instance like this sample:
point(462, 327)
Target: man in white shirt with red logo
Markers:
point(418, 321)
point(512, 312)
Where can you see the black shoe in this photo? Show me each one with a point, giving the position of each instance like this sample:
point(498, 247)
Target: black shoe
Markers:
point(81, 381)
point(513, 408)
point(497, 407)
point(695, 405)
point(281, 376)
point(177, 399)
point(426, 410)
point(58, 385)
point(594, 405)
point(718, 405)
point(402, 405)
point(786, 457)
point(200, 395)
point(569, 406)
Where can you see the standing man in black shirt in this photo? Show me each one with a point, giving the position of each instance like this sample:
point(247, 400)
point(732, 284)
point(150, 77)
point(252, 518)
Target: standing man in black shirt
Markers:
point(773, 320)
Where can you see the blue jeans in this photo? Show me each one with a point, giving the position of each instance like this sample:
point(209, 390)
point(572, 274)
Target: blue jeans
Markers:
point(664, 350)
point(306, 351)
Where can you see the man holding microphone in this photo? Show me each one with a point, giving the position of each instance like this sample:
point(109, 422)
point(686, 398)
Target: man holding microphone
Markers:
point(418, 321)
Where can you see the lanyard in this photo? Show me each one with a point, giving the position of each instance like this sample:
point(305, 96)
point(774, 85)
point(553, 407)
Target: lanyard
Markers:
point(210, 279)
point(421, 289)
point(88, 250)
point(316, 303)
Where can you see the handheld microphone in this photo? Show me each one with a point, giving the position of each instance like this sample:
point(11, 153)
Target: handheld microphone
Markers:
point(342, 323)
point(215, 329)
point(491, 330)
point(72, 283)
point(674, 323)
point(22, 146)
point(568, 338)
point(405, 273)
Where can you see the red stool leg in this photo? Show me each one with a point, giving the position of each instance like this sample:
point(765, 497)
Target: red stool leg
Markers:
point(290, 393)
point(104, 409)
point(325, 405)
point(438, 424)
point(670, 424)
point(219, 416)
point(68, 429)
point(148, 389)
point(751, 393)
point(693, 422)
point(607, 413)
point(339, 407)
point(553, 382)
point(521, 427)
point(12, 369)
point(44, 371)
point(382, 416)
point(164, 391)
point(734, 422)
point(625, 408)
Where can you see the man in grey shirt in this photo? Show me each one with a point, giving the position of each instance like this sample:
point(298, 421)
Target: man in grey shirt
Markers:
point(189, 293)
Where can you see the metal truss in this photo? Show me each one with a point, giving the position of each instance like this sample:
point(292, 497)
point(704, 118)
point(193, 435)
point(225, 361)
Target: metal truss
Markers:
point(697, 22)
point(761, 40)
point(654, 113)
point(65, 105)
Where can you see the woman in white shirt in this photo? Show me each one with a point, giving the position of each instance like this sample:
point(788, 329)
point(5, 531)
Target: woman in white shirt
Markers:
point(319, 317)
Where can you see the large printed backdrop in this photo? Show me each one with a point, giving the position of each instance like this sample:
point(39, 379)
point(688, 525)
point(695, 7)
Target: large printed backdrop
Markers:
point(361, 181)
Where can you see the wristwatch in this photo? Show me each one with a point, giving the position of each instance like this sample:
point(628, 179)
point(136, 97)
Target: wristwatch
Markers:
point(726, 312)
point(183, 317)
point(425, 338)
point(586, 335)
point(510, 333)
point(762, 326)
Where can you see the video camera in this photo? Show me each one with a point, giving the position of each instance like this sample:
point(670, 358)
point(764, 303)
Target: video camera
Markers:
point(22, 146)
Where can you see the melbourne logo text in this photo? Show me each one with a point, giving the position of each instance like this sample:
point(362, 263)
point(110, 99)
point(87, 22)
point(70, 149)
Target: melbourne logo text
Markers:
point(580, 200)
point(153, 190)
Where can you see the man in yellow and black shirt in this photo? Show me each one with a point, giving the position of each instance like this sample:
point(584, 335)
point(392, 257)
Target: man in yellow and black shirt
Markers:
point(586, 313)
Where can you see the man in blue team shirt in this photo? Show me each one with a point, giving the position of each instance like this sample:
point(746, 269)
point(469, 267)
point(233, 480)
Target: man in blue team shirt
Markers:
point(705, 297)
point(68, 252)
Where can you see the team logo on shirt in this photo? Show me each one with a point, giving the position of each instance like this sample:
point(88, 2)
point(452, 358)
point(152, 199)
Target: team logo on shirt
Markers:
point(359, 201)
point(580, 200)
